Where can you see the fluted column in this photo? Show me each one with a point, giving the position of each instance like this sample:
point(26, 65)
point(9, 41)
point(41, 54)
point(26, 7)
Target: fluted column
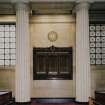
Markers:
point(22, 93)
point(82, 53)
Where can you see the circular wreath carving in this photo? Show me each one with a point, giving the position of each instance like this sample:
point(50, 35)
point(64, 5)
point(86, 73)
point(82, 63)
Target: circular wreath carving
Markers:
point(52, 36)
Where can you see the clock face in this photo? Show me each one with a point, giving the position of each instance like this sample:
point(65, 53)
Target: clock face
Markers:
point(52, 36)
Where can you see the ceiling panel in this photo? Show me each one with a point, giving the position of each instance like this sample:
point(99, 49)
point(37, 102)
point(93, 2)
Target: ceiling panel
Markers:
point(53, 8)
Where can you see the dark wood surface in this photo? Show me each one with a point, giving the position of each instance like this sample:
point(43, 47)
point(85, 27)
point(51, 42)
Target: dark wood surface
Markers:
point(52, 63)
point(5, 98)
point(100, 97)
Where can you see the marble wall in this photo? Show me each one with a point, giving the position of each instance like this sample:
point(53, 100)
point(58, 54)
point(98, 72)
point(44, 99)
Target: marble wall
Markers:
point(64, 25)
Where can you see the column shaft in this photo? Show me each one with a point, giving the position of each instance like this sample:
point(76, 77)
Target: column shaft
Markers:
point(82, 53)
point(22, 54)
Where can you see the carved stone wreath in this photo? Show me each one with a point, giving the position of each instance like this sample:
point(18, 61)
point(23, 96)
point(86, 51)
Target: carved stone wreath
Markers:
point(52, 36)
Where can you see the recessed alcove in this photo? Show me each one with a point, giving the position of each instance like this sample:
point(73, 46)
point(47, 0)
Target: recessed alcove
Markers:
point(52, 63)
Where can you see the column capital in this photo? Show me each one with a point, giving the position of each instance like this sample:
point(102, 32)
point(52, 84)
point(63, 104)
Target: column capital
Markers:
point(22, 6)
point(82, 4)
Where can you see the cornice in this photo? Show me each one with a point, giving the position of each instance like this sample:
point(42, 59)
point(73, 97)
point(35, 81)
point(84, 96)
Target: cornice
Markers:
point(27, 1)
point(66, 0)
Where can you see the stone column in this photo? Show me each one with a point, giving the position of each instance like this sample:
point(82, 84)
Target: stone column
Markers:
point(82, 53)
point(22, 93)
